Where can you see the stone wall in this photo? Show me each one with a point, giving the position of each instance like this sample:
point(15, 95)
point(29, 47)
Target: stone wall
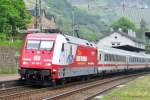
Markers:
point(8, 57)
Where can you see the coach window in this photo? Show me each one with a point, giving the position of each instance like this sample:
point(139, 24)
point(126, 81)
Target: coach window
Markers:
point(131, 59)
point(118, 43)
point(110, 57)
point(120, 59)
point(105, 57)
point(135, 59)
point(144, 60)
point(115, 58)
point(139, 59)
point(113, 43)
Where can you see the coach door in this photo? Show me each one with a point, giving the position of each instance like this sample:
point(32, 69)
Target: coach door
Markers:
point(100, 57)
point(127, 61)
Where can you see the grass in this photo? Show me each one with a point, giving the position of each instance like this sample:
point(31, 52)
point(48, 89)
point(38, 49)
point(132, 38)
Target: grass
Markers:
point(138, 89)
point(16, 43)
point(8, 70)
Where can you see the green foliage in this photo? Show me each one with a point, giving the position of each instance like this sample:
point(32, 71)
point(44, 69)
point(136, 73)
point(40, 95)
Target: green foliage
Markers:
point(143, 28)
point(124, 24)
point(3, 36)
point(136, 90)
point(8, 70)
point(13, 15)
point(16, 43)
point(64, 12)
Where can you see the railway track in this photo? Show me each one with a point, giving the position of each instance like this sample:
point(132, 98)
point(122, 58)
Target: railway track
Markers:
point(87, 92)
point(67, 91)
point(8, 84)
point(6, 91)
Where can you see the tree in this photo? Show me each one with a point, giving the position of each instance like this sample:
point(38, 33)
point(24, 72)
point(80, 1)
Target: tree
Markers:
point(13, 15)
point(124, 24)
point(143, 28)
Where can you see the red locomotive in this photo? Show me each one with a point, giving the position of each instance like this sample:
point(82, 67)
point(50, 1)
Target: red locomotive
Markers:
point(46, 58)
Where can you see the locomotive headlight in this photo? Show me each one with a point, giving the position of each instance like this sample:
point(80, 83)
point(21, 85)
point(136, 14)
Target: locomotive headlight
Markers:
point(47, 64)
point(54, 70)
point(24, 63)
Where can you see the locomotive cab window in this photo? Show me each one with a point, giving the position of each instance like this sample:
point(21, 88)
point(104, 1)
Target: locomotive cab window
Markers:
point(33, 44)
point(37, 44)
point(46, 45)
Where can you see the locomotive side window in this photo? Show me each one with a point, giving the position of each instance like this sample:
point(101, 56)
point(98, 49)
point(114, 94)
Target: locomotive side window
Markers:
point(32, 44)
point(99, 56)
point(106, 57)
point(62, 49)
point(46, 45)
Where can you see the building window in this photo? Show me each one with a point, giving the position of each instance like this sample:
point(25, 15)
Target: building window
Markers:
point(116, 37)
point(118, 43)
point(113, 43)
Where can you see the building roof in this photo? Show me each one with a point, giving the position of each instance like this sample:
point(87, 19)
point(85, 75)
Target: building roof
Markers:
point(123, 34)
point(129, 48)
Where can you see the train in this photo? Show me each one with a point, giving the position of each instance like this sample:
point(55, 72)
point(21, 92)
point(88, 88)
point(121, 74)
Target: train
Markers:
point(48, 58)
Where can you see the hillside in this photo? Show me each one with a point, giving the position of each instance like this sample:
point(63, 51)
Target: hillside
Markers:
point(94, 16)
point(90, 25)
point(111, 10)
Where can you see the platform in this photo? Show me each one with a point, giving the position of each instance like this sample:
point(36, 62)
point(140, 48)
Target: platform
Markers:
point(9, 77)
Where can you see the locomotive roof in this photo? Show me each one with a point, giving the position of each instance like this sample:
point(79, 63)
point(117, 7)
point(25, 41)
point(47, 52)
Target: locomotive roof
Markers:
point(68, 38)
point(79, 41)
point(41, 34)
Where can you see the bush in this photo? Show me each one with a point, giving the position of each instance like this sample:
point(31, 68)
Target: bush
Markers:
point(3, 36)
point(8, 70)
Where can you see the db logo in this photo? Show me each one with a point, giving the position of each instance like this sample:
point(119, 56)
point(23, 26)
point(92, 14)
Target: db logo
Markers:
point(37, 58)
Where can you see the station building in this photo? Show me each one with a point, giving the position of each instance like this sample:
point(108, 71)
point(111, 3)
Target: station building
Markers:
point(122, 40)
